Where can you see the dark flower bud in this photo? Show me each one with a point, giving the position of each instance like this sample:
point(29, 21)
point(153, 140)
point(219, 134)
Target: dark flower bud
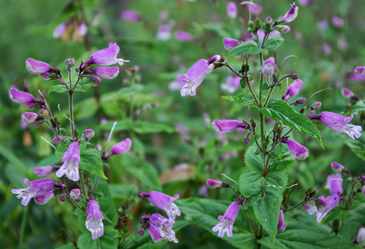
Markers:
point(294, 76)
point(247, 138)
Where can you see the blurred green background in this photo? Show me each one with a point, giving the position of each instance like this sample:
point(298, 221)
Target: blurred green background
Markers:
point(26, 29)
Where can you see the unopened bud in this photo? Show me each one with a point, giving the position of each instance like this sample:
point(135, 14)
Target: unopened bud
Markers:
point(70, 62)
point(75, 194)
point(316, 105)
point(140, 230)
point(58, 139)
point(247, 138)
point(89, 133)
point(217, 184)
point(294, 76)
point(62, 198)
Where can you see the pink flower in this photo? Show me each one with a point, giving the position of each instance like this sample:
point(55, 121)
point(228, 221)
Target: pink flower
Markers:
point(164, 32)
point(105, 57)
point(130, 15)
point(183, 36)
point(337, 21)
point(59, 30)
point(255, 9)
point(71, 161)
point(231, 10)
point(232, 84)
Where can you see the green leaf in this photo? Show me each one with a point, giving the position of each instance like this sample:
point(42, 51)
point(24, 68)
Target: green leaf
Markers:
point(357, 146)
point(279, 110)
point(79, 88)
point(128, 91)
point(122, 125)
point(244, 99)
point(357, 108)
point(145, 127)
point(301, 236)
point(265, 87)
point(253, 161)
point(86, 108)
point(107, 241)
point(13, 159)
point(243, 83)
point(249, 47)
point(216, 27)
point(251, 183)
point(267, 208)
point(143, 171)
point(122, 191)
point(274, 42)
point(205, 212)
point(91, 162)
point(67, 246)
point(61, 149)
point(283, 163)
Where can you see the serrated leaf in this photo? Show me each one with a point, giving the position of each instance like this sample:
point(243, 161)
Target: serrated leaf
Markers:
point(357, 108)
point(251, 183)
point(274, 42)
point(253, 161)
point(205, 212)
point(244, 99)
point(279, 110)
point(91, 162)
point(283, 163)
point(145, 127)
point(249, 47)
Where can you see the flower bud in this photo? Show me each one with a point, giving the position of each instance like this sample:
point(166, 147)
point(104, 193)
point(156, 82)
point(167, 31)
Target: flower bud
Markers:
point(62, 198)
point(217, 184)
point(247, 138)
point(121, 147)
point(294, 76)
point(337, 166)
point(321, 202)
point(70, 62)
point(347, 93)
point(98, 147)
point(231, 10)
point(269, 19)
point(30, 117)
point(58, 139)
point(224, 126)
point(43, 171)
point(21, 97)
point(268, 68)
point(360, 237)
point(89, 133)
point(298, 150)
point(293, 89)
point(300, 101)
point(316, 105)
point(37, 67)
point(75, 194)
point(82, 29)
point(337, 21)
point(230, 43)
point(282, 28)
point(94, 79)
point(60, 185)
point(140, 230)
point(281, 223)
point(59, 30)
point(360, 70)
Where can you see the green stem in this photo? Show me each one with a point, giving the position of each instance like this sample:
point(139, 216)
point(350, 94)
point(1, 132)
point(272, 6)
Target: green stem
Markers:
point(70, 99)
point(351, 196)
point(22, 228)
point(84, 189)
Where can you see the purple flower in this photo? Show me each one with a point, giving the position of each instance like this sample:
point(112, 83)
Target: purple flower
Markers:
point(163, 202)
point(268, 68)
point(176, 84)
point(360, 237)
point(59, 30)
point(163, 15)
point(232, 84)
point(332, 202)
point(316, 105)
point(193, 77)
point(231, 10)
point(163, 226)
point(298, 150)
point(43, 199)
point(58, 139)
point(334, 184)
point(360, 70)
point(82, 30)
point(37, 67)
point(293, 89)
point(290, 15)
point(342, 43)
point(164, 32)
point(339, 123)
point(255, 9)
point(347, 93)
point(21, 97)
point(305, 2)
point(121, 147)
point(322, 25)
point(226, 221)
point(230, 43)
point(71, 161)
point(337, 166)
point(203, 191)
point(337, 21)
point(75, 194)
point(182, 128)
point(43, 171)
point(155, 235)
point(225, 126)
point(282, 28)
point(89, 133)
point(130, 15)
point(105, 57)
point(35, 188)
point(104, 72)
point(29, 117)
point(217, 184)
point(183, 36)
point(326, 48)
point(70, 62)
point(94, 219)
point(310, 209)
point(281, 223)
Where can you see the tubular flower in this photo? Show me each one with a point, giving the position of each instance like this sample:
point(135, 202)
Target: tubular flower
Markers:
point(163, 226)
point(194, 77)
point(299, 151)
point(105, 57)
point(183, 36)
point(293, 89)
point(155, 235)
point(163, 202)
point(347, 93)
point(43, 171)
point(339, 123)
point(232, 84)
point(268, 68)
point(226, 126)
point(334, 184)
point(332, 202)
point(226, 221)
point(217, 184)
point(290, 15)
point(231, 10)
point(94, 220)
point(230, 43)
point(104, 72)
point(35, 188)
point(281, 223)
point(59, 30)
point(360, 70)
point(21, 97)
point(71, 161)
point(121, 147)
point(37, 67)
point(43, 199)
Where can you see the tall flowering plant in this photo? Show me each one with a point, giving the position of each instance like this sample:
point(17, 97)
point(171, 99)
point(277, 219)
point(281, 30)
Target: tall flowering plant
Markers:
point(264, 187)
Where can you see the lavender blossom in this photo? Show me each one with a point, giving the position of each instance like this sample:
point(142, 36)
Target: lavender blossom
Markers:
point(29, 117)
point(104, 72)
point(231, 10)
point(94, 219)
point(293, 89)
point(255, 9)
point(337, 21)
point(37, 67)
point(281, 222)
point(226, 126)
point(230, 43)
point(155, 235)
point(339, 123)
point(121, 147)
point(298, 150)
point(71, 161)
point(217, 184)
point(164, 32)
point(360, 237)
point(194, 77)
point(360, 70)
point(21, 97)
point(332, 202)
point(232, 84)
point(290, 15)
point(43, 199)
point(130, 15)
point(334, 184)
point(338, 167)
point(105, 57)
point(183, 36)
point(163, 226)
point(268, 67)
point(43, 171)
point(35, 188)
point(347, 93)
point(225, 225)
point(59, 30)
point(163, 202)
